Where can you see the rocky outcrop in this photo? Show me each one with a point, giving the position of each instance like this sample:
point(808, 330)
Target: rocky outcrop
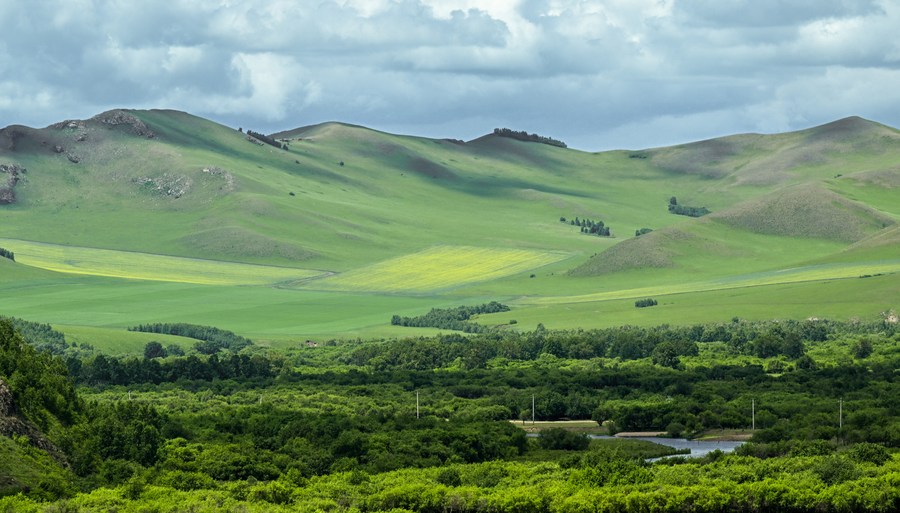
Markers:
point(122, 118)
point(9, 177)
point(11, 425)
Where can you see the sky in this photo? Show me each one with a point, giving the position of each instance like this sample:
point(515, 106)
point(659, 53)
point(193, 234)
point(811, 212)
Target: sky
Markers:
point(596, 74)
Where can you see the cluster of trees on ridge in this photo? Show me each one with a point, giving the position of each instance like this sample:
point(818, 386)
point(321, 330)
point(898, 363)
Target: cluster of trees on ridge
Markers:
point(266, 139)
point(683, 210)
point(5, 253)
point(644, 303)
point(525, 136)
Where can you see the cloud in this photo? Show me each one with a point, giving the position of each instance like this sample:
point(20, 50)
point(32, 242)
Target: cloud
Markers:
point(597, 74)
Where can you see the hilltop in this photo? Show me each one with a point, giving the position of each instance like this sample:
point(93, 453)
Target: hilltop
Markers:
point(329, 229)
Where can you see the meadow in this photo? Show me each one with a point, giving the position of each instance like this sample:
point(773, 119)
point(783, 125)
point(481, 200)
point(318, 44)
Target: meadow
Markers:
point(144, 266)
point(438, 268)
point(345, 227)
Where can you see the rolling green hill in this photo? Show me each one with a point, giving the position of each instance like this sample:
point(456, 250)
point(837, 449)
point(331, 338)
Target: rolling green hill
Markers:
point(158, 216)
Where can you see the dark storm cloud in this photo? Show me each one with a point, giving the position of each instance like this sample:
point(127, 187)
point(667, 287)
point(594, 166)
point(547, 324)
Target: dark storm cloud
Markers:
point(598, 74)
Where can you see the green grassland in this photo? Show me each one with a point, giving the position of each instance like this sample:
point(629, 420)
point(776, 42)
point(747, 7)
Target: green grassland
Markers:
point(348, 226)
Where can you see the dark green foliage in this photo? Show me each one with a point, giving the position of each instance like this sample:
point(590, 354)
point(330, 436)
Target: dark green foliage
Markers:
point(107, 370)
point(666, 353)
point(525, 136)
point(642, 231)
point(5, 253)
point(626, 342)
point(265, 138)
point(643, 303)
point(42, 336)
point(449, 477)
point(126, 430)
point(777, 341)
point(560, 439)
point(590, 226)
point(836, 469)
point(154, 349)
point(41, 390)
point(683, 210)
point(212, 340)
point(451, 318)
point(869, 453)
point(863, 348)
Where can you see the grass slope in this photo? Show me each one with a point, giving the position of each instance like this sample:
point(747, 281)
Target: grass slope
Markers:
point(221, 218)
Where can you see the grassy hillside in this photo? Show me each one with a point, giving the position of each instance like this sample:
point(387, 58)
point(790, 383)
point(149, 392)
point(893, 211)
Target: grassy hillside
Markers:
point(150, 216)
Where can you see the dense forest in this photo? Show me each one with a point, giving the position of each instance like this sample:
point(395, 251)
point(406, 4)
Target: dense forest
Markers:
point(423, 424)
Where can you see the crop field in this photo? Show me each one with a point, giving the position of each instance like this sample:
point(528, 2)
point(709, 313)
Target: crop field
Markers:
point(440, 267)
point(146, 266)
point(837, 299)
point(795, 275)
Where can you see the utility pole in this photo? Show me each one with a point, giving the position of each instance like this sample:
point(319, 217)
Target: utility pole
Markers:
point(841, 414)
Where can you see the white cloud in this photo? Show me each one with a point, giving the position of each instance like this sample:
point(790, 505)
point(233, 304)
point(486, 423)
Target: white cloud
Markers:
point(591, 72)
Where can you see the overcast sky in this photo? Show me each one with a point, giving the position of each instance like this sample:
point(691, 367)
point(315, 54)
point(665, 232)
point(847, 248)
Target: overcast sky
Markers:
point(596, 74)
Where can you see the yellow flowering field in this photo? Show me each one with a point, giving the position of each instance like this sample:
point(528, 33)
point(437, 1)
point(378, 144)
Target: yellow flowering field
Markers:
point(439, 267)
point(147, 266)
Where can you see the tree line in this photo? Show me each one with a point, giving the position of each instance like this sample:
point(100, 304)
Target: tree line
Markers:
point(525, 136)
point(266, 139)
point(211, 339)
point(108, 370)
point(451, 318)
point(589, 226)
point(5, 253)
point(682, 210)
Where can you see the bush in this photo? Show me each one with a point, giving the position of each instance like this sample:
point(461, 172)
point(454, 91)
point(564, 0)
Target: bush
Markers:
point(836, 469)
point(560, 439)
point(643, 303)
point(449, 477)
point(869, 453)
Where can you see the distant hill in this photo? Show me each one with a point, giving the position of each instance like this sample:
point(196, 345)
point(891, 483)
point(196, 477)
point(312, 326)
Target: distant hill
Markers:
point(333, 198)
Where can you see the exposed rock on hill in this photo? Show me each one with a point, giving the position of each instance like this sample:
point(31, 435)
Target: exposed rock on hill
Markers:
point(9, 177)
point(11, 425)
point(122, 118)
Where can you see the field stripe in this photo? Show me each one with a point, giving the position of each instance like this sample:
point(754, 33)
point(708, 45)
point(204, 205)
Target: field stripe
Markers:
point(440, 267)
point(795, 275)
point(148, 266)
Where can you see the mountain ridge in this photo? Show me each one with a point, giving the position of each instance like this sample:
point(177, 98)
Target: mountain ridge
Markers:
point(342, 198)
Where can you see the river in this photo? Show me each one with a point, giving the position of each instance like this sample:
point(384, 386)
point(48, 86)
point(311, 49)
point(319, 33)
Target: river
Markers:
point(699, 448)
